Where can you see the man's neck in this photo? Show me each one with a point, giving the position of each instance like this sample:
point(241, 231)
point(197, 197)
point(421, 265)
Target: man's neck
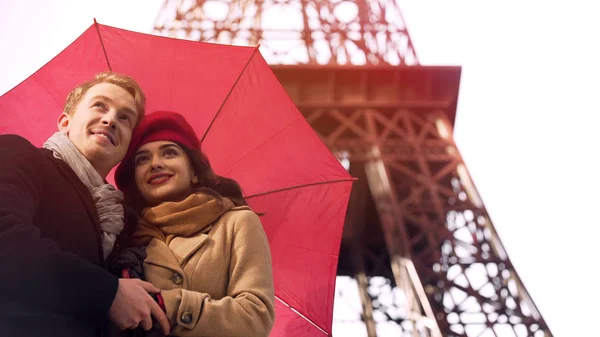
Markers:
point(102, 171)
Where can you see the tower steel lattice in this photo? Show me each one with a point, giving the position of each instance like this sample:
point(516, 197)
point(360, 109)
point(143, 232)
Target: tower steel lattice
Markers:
point(416, 228)
point(297, 31)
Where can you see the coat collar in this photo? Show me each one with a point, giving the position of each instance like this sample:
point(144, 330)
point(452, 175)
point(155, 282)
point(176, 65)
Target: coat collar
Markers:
point(175, 255)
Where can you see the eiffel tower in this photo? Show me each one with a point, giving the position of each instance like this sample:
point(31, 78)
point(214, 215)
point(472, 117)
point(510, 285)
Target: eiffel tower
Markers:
point(416, 229)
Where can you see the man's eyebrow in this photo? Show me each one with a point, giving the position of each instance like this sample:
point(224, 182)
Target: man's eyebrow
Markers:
point(125, 109)
point(102, 97)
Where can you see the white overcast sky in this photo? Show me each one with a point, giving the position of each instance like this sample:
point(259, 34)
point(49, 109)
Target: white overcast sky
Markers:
point(527, 121)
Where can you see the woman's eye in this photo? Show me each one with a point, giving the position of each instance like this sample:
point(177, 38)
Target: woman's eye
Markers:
point(99, 105)
point(124, 117)
point(170, 152)
point(140, 160)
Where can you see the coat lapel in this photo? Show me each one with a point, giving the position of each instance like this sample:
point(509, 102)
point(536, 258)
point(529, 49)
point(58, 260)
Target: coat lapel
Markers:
point(160, 255)
point(176, 254)
point(82, 191)
point(183, 248)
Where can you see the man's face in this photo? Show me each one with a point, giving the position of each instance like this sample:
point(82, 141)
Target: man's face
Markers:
point(101, 125)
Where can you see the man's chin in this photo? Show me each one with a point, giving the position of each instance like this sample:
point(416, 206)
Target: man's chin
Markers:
point(103, 160)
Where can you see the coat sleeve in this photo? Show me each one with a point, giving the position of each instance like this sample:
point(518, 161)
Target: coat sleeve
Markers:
point(248, 309)
point(35, 272)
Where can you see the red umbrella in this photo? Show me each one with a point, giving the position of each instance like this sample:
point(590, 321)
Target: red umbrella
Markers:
point(251, 131)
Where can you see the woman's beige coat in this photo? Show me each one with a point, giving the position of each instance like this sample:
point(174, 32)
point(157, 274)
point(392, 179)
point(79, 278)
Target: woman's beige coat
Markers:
point(218, 282)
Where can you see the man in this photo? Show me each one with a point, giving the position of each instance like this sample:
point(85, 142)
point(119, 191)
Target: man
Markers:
point(59, 220)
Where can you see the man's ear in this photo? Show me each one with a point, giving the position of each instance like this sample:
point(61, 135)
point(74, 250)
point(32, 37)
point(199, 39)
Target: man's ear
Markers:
point(64, 122)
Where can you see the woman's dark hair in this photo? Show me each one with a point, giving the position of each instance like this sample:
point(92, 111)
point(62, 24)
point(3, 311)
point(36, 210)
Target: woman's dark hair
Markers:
point(208, 182)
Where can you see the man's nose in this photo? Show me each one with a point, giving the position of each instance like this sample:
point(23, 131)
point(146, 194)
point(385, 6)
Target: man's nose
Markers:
point(110, 119)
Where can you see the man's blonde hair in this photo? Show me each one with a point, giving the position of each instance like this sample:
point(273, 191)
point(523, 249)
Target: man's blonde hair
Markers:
point(122, 81)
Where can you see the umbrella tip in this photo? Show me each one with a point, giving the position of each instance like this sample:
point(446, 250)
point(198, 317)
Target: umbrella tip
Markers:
point(95, 22)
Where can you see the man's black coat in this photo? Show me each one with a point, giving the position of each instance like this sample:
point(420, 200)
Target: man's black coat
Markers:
point(51, 279)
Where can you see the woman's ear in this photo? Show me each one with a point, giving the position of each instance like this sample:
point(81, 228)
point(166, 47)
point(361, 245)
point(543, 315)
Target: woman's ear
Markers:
point(195, 179)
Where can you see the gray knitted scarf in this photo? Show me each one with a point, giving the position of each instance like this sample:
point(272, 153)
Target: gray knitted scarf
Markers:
point(107, 198)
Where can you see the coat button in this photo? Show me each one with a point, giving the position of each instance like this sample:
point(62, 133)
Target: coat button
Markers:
point(177, 278)
point(186, 317)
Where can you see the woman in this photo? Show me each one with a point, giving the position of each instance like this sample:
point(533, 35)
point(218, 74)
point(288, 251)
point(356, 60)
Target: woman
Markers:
point(206, 249)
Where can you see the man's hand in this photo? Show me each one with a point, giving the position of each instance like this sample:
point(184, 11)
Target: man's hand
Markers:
point(133, 307)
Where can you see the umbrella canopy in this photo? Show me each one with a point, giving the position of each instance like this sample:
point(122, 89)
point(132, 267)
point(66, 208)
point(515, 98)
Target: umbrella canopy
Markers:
point(250, 130)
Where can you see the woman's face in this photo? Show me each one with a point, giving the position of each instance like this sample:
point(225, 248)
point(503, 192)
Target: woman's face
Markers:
point(163, 172)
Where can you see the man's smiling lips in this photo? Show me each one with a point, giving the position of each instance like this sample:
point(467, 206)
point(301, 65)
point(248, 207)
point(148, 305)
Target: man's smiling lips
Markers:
point(104, 134)
point(158, 178)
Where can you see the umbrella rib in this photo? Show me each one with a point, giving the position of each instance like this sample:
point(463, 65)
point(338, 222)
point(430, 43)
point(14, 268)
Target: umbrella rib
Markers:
point(102, 44)
point(300, 186)
point(228, 94)
point(301, 315)
point(264, 142)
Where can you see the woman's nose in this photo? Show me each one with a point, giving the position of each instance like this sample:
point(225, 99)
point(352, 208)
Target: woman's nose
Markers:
point(156, 163)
